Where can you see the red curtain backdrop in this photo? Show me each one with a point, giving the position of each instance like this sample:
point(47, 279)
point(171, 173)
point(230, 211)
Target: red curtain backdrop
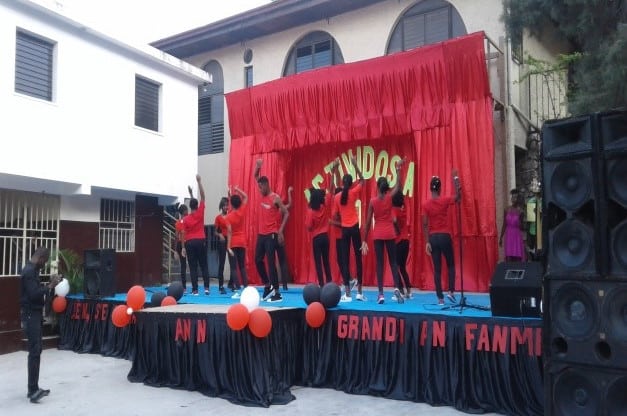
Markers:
point(431, 105)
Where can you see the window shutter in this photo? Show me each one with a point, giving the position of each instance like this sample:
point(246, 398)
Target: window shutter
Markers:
point(146, 104)
point(33, 66)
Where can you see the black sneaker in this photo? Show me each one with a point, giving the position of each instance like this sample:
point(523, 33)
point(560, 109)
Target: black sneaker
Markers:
point(38, 395)
point(268, 292)
point(230, 285)
point(222, 291)
point(276, 298)
point(285, 287)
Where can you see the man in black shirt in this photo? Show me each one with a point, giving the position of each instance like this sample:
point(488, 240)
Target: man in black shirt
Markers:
point(32, 300)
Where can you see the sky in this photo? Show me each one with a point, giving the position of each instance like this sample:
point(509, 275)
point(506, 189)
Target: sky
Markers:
point(144, 21)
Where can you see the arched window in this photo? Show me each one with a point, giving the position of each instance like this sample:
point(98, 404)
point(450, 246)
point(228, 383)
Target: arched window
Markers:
point(427, 22)
point(315, 50)
point(211, 112)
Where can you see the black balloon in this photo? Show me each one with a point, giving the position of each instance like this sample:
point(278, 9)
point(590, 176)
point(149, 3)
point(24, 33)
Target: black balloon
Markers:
point(330, 295)
point(156, 298)
point(311, 293)
point(176, 290)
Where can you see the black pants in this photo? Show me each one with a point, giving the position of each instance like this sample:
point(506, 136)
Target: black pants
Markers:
point(183, 263)
point(238, 262)
point(321, 257)
point(221, 261)
point(282, 258)
point(390, 247)
point(402, 253)
point(197, 257)
point(351, 236)
point(32, 322)
point(266, 248)
point(442, 245)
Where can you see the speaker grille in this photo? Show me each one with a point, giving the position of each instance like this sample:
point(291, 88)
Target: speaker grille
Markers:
point(576, 393)
point(572, 245)
point(616, 398)
point(574, 312)
point(570, 185)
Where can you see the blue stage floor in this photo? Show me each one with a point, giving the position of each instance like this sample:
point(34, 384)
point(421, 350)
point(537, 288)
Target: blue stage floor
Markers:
point(424, 302)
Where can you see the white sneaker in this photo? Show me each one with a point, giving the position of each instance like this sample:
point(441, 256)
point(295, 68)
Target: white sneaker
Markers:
point(398, 297)
point(360, 297)
point(236, 295)
point(345, 298)
point(352, 284)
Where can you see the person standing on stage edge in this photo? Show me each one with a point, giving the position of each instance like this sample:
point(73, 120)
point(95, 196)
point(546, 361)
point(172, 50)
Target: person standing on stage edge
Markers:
point(437, 234)
point(195, 240)
point(220, 232)
point(32, 300)
point(513, 230)
point(269, 235)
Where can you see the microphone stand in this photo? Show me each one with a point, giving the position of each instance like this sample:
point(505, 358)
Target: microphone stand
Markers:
point(462, 299)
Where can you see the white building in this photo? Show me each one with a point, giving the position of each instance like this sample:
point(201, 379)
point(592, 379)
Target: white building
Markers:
point(97, 136)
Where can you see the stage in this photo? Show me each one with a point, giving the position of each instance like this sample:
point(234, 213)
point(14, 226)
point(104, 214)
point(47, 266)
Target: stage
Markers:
point(414, 351)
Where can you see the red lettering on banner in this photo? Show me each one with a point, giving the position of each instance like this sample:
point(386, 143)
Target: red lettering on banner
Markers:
point(342, 326)
point(97, 312)
point(423, 333)
point(526, 337)
point(201, 331)
point(353, 326)
point(470, 335)
point(104, 312)
point(76, 311)
point(483, 344)
point(439, 333)
point(499, 338)
point(390, 329)
point(365, 329)
point(402, 330)
point(377, 328)
point(538, 339)
point(183, 329)
point(85, 312)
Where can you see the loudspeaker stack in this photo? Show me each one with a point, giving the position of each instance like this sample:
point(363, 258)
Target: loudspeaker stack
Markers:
point(584, 161)
point(99, 273)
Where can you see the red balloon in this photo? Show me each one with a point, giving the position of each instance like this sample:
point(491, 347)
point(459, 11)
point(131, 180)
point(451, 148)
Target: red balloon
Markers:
point(59, 304)
point(168, 301)
point(119, 317)
point(237, 317)
point(315, 314)
point(260, 323)
point(136, 297)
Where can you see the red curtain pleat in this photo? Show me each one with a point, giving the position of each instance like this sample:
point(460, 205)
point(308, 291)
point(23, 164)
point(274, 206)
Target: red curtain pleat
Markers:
point(431, 105)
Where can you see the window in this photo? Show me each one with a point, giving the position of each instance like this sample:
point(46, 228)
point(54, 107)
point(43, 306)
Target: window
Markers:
point(211, 112)
point(517, 46)
point(117, 225)
point(146, 103)
point(33, 66)
point(316, 50)
point(248, 76)
point(427, 22)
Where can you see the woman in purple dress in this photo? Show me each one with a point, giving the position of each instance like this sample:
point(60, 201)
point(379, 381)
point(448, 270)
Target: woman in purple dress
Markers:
point(512, 229)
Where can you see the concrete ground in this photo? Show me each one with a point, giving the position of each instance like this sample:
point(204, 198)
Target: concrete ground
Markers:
point(90, 384)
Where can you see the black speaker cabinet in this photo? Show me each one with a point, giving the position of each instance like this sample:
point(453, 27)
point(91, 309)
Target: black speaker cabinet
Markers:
point(99, 273)
point(516, 290)
point(584, 391)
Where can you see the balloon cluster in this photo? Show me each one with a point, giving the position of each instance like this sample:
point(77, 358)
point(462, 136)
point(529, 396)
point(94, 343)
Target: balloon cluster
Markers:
point(135, 300)
point(59, 303)
point(248, 313)
point(318, 301)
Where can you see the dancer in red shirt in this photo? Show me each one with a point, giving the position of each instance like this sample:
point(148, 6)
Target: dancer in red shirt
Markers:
point(195, 240)
point(317, 223)
point(384, 232)
point(401, 214)
point(437, 234)
point(236, 239)
point(344, 206)
point(270, 234)
point(220, 233)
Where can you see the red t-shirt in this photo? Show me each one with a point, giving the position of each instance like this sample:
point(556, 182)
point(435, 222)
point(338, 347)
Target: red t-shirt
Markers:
point(236, 218)
point(194, 223)
point(220, 224)
point(348, 212)
point(436, 210)
point(383, 218)
point(317, 222)
point(178, 226)
point(402, 219)
point(268, 217)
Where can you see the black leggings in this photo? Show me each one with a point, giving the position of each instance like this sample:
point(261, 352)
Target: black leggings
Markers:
point(442, 245)
point(390, 247)
point(197, 256)
point(238, 262)
point(281, 256)
point(321, 257)
point(31, 322)
point(183, 263)
point(402, 253)
point(266, 248)
point(221, 261)
point(351, 235)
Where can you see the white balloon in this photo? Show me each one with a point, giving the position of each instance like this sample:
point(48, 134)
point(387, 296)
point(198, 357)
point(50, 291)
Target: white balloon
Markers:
point(63, 288)
point(250, 298)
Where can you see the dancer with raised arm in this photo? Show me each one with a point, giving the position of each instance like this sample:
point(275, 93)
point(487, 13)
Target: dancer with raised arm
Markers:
point(401, 214)
point(317, 223)
point(220, 233)
point(236, 240)
point(195, 240)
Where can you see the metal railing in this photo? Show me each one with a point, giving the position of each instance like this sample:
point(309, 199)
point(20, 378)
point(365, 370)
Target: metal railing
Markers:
point(169, 263)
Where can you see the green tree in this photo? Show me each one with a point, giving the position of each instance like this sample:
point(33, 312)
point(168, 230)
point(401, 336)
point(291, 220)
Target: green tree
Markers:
point(597, 33)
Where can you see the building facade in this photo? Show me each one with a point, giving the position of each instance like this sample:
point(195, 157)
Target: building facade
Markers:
point(97, 136)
